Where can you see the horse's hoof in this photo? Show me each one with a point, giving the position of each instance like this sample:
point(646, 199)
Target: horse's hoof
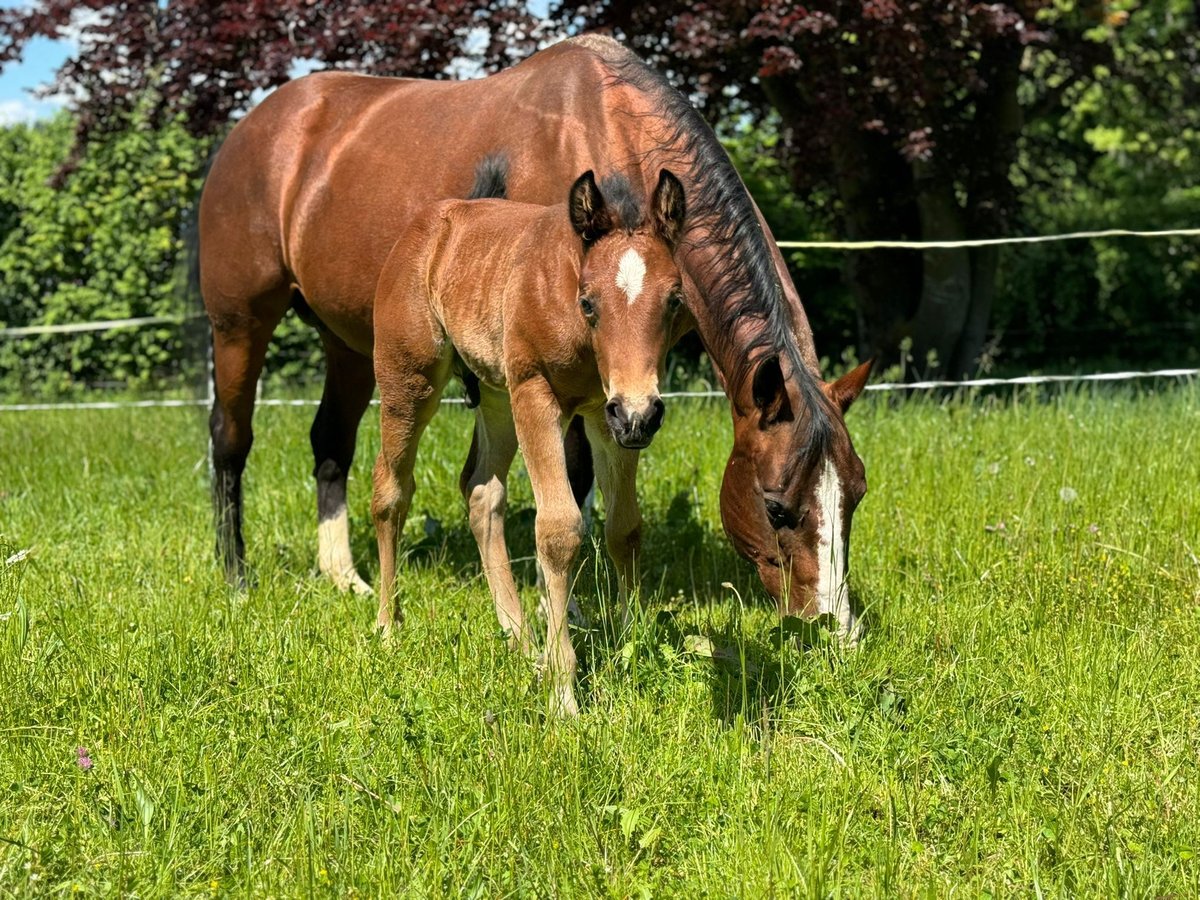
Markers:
point(349, 580)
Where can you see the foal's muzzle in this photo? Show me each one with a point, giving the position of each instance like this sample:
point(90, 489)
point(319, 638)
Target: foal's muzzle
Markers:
point(633, 427)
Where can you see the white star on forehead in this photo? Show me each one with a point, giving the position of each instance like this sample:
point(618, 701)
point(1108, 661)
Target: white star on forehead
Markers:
point(631, 272)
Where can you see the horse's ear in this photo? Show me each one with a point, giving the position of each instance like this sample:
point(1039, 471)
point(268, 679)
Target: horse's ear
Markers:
point(589, 214)
point(769, 390)
point(846, 389)
point(670, 208)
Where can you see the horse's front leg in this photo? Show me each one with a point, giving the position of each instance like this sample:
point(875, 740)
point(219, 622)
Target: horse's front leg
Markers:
point(558, 527)
point(616, 475)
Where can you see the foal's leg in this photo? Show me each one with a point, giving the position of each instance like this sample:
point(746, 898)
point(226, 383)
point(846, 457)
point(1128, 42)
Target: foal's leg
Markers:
point(349, 382)
point(239, 350)
point(408, 400)
point(484, 487)
point(582, 474)
point(558, 526)
point(616, 473)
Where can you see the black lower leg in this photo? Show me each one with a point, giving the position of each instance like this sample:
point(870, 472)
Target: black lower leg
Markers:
point(331, 489)
point(228, 463)
point(580, 469)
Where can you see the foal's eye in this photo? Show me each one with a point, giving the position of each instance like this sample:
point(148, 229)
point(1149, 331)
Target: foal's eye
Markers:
point(675, 300)
point(588, 308)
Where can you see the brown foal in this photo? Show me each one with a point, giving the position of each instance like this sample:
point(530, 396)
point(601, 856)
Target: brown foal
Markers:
point(557, 312)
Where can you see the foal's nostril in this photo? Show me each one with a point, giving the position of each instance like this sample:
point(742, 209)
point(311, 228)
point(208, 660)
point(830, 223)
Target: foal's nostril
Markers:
point(654, 416)
point(614, 412)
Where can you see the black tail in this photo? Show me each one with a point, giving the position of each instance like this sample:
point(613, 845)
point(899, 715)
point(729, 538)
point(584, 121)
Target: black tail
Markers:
point(189, 302)
point(491, 178)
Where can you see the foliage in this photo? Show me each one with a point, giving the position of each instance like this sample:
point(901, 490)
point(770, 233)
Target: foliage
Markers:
point(106, 245)
point(206, 59)
point(1021, 718)
point(1117, 145)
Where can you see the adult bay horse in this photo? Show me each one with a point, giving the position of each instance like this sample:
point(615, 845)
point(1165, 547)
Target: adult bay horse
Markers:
point(309, 191)
point(556, 312)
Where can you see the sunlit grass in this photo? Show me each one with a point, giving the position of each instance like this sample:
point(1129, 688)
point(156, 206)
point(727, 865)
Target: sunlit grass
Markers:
point(1022, 717)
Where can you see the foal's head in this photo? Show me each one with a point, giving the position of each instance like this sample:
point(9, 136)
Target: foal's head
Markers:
point(630, 294)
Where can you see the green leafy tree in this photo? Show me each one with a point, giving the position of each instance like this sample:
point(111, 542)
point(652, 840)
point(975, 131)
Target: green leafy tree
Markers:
point(106, 244)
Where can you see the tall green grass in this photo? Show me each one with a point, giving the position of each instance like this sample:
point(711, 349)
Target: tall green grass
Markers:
point(1023, 718)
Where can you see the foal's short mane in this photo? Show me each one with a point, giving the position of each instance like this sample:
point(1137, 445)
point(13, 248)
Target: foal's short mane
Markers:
point(742, 283)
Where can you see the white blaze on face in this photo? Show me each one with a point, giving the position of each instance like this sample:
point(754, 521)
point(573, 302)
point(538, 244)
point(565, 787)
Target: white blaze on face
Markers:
point(833, 593)
point(631, 272)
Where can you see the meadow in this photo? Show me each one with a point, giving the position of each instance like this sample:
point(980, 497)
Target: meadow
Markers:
point(1022, 719)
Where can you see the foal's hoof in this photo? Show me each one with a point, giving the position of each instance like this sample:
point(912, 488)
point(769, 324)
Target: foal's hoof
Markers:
point(562, 703)
point(562, 690)
point(389, 633)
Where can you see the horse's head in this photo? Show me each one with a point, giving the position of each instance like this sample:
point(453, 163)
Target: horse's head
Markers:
point(791, 487)
point(630, 295)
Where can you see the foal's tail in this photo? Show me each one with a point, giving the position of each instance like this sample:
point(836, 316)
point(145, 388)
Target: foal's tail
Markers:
point(491, 178)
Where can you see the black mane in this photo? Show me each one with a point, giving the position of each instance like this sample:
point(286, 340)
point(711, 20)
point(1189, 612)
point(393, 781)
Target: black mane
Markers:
point(743, 283)
point(623, 202)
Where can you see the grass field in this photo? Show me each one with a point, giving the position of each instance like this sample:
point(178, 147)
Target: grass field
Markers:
point(1023, 718)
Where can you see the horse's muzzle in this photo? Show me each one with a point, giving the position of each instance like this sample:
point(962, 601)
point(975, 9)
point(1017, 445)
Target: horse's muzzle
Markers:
point(634, 427)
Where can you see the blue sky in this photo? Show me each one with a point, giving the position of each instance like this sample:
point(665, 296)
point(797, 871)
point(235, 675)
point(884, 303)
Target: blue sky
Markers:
point(42, 59)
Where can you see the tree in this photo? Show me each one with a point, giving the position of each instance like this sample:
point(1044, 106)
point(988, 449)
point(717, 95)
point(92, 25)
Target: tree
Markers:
point(206, 58)
point(103, 246)
point(909, 113)
point(1118, 146)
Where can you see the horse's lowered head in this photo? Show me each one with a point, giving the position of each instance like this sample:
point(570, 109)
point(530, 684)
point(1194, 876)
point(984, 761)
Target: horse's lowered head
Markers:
point(630, 294)
point(796, 526)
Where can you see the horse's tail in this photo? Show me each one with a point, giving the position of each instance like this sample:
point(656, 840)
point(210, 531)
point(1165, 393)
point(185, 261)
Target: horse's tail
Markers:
point(491, 178)
point(197, 341)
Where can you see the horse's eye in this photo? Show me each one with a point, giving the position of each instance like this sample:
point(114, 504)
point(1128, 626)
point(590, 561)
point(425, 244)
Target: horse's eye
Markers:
point(675, 300)
point(778, 515)
point(588, 308)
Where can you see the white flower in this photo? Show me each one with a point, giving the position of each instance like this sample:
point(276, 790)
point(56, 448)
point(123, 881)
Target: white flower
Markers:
point(1068, 494)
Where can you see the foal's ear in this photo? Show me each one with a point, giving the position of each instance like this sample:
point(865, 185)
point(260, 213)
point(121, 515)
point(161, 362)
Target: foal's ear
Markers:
point(846, 389)
point(669, 208)
point(589, 213)
point(770, 390)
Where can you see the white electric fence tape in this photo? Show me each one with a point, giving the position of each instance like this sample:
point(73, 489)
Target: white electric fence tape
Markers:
point(1019, 381)
point(78, 327)
point(983, 242)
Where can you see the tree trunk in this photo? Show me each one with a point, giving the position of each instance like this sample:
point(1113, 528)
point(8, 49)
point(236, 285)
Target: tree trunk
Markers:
point(875, 189)
point(946, 276)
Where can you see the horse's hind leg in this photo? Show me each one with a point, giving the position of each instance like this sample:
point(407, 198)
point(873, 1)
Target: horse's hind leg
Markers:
point(349, 382)
point(239, 349)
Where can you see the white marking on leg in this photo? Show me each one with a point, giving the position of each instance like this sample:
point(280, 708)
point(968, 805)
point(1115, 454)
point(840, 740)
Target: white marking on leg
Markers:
point(333, 552)
point(631, 272)
point(833, 592)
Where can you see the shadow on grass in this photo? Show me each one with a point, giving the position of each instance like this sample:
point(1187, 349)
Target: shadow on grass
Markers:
point(687, 565)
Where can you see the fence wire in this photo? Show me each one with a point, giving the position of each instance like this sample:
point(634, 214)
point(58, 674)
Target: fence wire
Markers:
point(1021, 380)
